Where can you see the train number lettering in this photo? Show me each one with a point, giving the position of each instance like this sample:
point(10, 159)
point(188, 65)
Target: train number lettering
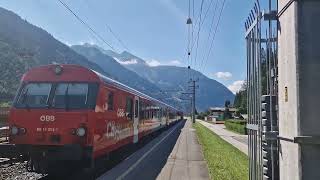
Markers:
point(47, 129)
point(47, 118)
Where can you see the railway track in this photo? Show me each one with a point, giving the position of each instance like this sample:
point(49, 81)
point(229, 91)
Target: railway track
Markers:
point(3, 140)
point(5, 162)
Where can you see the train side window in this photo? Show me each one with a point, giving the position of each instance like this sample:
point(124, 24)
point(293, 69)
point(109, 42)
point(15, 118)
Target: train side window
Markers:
point(110, 101)
point(136, 109)
point(129, 107)
point(141, 115)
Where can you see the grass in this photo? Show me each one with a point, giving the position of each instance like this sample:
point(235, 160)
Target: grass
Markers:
point(225, 162)
point(238, 126)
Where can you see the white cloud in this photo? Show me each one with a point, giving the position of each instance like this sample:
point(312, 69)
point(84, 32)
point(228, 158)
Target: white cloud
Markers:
point(131, 61)
point(153, 63)
point(175, 62)
point(223, 75)
point(235, 86)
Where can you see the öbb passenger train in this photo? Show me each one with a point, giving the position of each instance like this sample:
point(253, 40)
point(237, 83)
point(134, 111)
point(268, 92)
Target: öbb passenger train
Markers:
point(68, 113)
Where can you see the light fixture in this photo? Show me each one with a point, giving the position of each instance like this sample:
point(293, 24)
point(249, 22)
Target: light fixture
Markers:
point(189, 21)
point(14, 130)
point(81, 131)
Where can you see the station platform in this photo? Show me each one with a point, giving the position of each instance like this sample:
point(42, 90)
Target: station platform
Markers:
point(186, 160)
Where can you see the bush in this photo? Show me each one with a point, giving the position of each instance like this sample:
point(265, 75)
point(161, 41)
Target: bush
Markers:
point(200, 116)
point(238, 126)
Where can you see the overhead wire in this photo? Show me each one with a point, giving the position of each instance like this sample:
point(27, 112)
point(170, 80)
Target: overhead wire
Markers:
point(211, 30)
point(196, 22)
point(188, 48)
point(117, 37)
point(97, 35)
point(198, 34)
point(215, 32)
point(192, 38)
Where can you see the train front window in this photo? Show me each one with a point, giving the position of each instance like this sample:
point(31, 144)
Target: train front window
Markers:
point(64, 95)
point(71, 96)
point(34, 95)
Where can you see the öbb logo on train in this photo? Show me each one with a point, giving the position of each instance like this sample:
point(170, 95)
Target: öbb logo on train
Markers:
point(47, 118)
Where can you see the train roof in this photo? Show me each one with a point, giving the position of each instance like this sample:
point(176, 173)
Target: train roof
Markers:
point(47, 72)
point(129, 89)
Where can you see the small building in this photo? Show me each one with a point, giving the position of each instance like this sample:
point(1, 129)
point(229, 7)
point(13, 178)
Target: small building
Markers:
point(218, 112)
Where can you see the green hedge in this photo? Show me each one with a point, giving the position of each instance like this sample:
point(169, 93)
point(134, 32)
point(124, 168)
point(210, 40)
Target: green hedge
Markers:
point(238, 126)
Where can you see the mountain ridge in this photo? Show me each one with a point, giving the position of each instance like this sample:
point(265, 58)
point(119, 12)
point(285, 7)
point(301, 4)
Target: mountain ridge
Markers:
point(23, 46)
point(113, 67)
point(173, 80)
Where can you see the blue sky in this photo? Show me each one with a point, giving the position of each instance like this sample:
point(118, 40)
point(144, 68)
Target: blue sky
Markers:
point(155, 30)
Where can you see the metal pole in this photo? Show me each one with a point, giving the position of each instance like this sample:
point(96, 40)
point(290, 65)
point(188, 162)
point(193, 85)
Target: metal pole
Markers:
point(193, 101)
point(191, 107)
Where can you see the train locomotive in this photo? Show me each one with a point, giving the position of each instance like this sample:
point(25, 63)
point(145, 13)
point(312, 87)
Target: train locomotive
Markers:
point(68, 113)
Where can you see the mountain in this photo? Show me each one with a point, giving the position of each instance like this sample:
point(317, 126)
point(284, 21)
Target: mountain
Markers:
point(120, 73)
point(173, 79)
point(23, 45)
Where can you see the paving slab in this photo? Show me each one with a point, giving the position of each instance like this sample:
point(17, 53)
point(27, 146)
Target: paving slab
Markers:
point(186, 161)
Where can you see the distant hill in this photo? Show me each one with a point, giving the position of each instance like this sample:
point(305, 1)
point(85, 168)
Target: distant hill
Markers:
point(23, 45)
point(174, 79)
point(120, 73)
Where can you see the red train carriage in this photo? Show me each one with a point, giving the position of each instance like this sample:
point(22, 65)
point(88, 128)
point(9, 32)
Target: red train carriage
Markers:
point(67, 113)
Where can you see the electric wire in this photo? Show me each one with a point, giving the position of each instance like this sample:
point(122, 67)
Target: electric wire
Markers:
point(86, 25)
point(215, 32)
point(190, 47)
point(198, 34)
point(211, 30)
point(192, 38)
point(121, 42)
point(118, 38)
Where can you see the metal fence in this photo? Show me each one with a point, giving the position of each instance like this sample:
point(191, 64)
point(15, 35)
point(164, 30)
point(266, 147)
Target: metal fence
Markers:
point(262, 92)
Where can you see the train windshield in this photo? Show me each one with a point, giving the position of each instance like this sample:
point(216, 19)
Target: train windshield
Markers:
point(35, 95)
point(70, 95)
point(58, 95)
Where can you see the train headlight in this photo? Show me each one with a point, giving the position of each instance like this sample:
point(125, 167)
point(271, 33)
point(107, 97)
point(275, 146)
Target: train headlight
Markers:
point(81, 131)
point(14, 130)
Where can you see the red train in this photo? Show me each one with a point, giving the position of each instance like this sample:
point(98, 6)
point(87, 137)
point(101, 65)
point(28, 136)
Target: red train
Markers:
point(68, 113)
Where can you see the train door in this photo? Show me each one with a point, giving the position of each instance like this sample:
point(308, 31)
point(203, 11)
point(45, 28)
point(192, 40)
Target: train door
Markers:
point(136, 119)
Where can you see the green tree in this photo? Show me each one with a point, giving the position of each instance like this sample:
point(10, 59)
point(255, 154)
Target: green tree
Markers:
point(227, 114)
point(240, 101)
